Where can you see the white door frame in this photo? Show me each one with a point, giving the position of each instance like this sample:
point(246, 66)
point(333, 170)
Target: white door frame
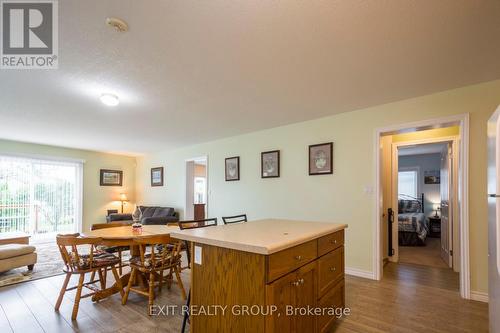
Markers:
point(455, 140)
point(206, 182)
point(463, 183)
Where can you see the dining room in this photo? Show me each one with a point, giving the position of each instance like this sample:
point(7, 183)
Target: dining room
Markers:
point(175, 166)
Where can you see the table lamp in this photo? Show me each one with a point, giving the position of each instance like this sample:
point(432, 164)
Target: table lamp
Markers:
point(437, 207)
point(123, 199)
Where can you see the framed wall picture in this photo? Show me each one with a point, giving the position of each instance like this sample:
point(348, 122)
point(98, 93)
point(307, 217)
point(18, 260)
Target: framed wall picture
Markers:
point(232, 168)
point(270, 164)
point(111, 177)
point(321, 159)
point(157, 176)
point(432, 177)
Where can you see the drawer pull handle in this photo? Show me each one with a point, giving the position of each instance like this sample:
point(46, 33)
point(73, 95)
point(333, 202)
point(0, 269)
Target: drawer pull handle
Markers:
point(333, 269)
point(334, 241)
point(301, 281)
point(298, 282)
point(298, 257)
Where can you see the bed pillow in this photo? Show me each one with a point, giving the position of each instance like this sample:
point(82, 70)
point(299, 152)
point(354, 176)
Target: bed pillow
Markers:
point(409, 206)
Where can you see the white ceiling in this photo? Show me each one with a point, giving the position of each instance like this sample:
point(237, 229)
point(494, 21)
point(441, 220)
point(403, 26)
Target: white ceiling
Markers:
point(190, 71)
point(435, 148)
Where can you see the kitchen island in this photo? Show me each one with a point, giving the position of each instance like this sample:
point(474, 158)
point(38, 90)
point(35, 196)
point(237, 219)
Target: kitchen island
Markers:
point(266, 276)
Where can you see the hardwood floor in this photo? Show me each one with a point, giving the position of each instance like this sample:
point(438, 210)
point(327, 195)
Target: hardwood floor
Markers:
point(428, 255)
point(410, 298)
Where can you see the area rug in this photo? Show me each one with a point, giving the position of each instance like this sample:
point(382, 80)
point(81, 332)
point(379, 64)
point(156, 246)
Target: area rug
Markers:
point(49, 263)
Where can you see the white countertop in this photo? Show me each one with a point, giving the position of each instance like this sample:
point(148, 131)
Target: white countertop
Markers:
point(262, 236)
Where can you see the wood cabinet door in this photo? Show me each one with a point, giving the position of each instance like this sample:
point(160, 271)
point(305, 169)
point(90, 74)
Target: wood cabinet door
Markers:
point(281, 293)
point(305, 297)
point(293, 294)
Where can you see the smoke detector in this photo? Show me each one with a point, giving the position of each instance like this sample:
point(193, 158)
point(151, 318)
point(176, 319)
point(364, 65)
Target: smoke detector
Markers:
point(119, 24)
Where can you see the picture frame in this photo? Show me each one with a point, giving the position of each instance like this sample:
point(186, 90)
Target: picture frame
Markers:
point(157, 176)
point(110, 177)
point(232, 168)
point(432, 177)
point(321, 159)
point(270, 164)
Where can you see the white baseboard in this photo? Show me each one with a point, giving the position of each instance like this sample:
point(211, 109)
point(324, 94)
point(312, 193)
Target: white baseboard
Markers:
point(360, 273)
point(479, 296)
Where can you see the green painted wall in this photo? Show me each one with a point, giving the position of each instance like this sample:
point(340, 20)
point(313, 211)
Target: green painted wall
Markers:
point(339, 197)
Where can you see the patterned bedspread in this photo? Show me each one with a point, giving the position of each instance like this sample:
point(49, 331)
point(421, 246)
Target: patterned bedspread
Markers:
point(414, 222)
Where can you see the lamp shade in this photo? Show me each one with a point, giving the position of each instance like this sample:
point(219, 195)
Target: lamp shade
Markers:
point(123, 197)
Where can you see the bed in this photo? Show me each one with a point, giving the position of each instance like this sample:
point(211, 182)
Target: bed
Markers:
point(413, 225)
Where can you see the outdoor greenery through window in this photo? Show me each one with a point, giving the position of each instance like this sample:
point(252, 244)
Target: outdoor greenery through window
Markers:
point(39, 196)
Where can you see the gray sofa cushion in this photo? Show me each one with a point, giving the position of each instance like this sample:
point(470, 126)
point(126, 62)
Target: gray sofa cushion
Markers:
point(163, 212)
point(147, 211)
point(155, 211)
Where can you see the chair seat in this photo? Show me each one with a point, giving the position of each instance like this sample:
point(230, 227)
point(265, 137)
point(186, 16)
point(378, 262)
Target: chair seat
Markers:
point(170, 247)
point(112, 249)
point(100, 259)
point(148, 262)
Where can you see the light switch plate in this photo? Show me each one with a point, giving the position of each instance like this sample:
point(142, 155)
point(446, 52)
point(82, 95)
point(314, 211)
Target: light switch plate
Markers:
point(197, 255)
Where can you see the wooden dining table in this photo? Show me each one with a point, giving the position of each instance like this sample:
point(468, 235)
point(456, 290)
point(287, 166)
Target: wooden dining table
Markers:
point(125, 236)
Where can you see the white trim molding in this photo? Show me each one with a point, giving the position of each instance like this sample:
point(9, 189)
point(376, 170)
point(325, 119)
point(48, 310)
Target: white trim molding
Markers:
point(463, 121)
point(360, 273)
point(479, 296)
point(43, 157)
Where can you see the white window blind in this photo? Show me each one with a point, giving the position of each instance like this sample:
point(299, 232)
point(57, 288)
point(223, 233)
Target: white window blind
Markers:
point(408, 183)
point(39, 196)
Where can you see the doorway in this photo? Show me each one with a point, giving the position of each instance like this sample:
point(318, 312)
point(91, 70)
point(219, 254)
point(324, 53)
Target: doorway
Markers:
point(196, 207)
point(425, 205)
point(445, 218)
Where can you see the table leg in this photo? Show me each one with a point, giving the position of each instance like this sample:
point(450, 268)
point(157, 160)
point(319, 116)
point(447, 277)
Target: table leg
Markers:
point(102, 294)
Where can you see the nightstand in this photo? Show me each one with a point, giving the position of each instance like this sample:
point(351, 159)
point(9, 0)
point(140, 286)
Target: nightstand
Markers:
point(435, 227)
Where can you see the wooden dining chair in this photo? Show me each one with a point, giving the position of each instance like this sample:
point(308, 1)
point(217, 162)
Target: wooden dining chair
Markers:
point(234, 219)
point(194, 224)
point(112, 249)
point(81, 264)
point(161, 258)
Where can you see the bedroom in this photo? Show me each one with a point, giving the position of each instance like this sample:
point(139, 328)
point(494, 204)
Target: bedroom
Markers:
point(420, 177)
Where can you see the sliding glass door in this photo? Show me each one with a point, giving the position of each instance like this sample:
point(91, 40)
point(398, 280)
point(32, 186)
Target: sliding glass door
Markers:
point(39, 196)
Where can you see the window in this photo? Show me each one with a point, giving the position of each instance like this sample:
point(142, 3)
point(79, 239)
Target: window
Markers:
point(39, 196)
point(408, 183)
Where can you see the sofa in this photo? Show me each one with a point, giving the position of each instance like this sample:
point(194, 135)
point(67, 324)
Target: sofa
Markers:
point(17, 255)
point(147, 215)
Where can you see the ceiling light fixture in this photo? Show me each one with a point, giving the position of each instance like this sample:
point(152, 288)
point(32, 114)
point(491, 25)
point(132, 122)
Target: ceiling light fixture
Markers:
point(110, 99)
point(119, 24)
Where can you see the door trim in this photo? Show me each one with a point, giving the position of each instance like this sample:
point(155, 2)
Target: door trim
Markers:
point(201, 157)
point(462, 120)
point(455, 141)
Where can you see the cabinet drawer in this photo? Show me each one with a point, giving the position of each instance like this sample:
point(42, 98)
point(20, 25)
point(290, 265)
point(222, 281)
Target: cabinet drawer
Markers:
point(335, 298)
point(330, 242)
point(330, 269)
point(280, 263)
